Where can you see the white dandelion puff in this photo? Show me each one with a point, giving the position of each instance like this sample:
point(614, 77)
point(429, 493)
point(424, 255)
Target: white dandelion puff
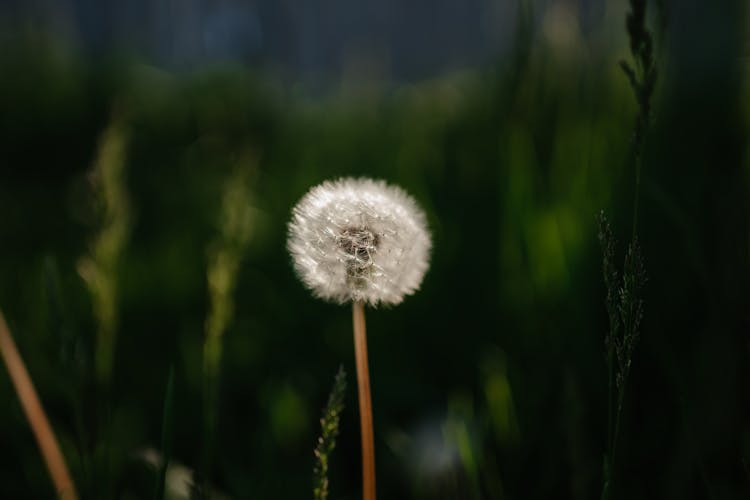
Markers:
point(365, 242)
point(359, 240)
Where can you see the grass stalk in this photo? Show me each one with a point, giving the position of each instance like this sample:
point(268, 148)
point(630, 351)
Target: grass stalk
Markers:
point(637, 189)
point(224, 258)
point(38, 420)
point(329, 431)
point(99, 269)
point(365, 402)
point(167, 430)
point(609, 458)
point(624, 297)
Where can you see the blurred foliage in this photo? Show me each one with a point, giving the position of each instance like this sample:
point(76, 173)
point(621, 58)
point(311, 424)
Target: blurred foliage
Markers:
point(224, 258)
point(100, 270)
point(490, 382)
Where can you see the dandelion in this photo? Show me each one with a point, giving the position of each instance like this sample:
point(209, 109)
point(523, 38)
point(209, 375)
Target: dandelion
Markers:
point(359, 240)
point(365, 242)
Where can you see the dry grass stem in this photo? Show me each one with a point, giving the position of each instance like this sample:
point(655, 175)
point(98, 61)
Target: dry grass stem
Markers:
point(38, 421)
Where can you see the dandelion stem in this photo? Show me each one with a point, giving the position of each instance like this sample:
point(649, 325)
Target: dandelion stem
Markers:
point(38, 421)
point(365, 402)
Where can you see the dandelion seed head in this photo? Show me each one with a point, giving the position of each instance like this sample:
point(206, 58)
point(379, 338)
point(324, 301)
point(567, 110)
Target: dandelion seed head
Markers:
point(359, 240)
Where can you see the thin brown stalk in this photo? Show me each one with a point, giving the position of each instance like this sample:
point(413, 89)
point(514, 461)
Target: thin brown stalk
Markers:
point(38, 421)
point(365, 402)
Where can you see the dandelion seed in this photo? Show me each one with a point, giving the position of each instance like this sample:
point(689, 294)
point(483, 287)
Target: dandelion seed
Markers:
point(359, 240)
point(365, 242)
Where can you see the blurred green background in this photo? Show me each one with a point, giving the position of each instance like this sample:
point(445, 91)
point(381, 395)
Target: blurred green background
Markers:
point(488, 383)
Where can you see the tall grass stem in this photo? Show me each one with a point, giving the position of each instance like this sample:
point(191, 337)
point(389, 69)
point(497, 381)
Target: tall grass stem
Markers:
point(637, 193)
point(167, 431)
point(38, 420)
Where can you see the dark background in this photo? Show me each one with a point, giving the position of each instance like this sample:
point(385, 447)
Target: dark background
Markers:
point(509, 122)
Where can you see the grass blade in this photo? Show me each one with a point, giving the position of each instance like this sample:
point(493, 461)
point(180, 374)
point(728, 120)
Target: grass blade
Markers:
point(167, 430)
